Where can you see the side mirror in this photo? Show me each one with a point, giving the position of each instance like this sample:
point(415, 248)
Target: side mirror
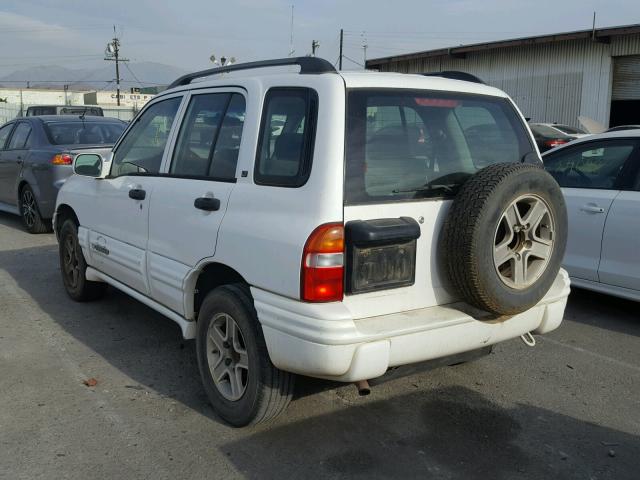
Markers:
point(88, 165)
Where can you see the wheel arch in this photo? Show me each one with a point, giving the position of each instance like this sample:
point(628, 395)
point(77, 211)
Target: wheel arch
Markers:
point(204, 279)
point(64, 212)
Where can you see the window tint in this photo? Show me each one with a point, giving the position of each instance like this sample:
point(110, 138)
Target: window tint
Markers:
point(286, 138)
point(418, 144)
point(83, 133)
point(209, 139)
point(225, 154)
point(20, 136)
point(589, 166)
point(4, 134)
point(142, 149)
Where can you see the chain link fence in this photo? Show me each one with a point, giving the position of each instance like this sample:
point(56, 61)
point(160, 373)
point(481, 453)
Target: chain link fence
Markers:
point(9, 111)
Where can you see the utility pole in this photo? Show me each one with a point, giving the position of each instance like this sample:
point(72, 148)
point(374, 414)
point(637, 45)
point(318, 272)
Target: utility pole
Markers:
point(314, 46)
point(340, 59)
point(112, 54)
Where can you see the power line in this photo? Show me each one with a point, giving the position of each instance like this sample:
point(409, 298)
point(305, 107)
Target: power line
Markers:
point(352, 60)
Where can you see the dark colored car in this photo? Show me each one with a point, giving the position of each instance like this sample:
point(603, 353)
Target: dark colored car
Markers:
point(36, 110)
point(36, 156)
point(547, 137)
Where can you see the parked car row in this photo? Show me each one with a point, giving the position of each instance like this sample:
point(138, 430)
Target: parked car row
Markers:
point(36, 154)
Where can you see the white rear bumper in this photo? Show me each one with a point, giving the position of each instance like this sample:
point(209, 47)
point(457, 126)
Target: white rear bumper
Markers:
point(322, 340)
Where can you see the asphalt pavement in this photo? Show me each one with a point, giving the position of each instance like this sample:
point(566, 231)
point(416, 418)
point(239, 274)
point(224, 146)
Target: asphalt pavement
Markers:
point(568, 408)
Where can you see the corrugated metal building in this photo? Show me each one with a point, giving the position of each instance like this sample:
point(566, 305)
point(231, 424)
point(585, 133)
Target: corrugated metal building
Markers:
point(552, 78)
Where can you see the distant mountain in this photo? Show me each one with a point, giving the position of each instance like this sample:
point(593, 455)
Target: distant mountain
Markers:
point(48, 76)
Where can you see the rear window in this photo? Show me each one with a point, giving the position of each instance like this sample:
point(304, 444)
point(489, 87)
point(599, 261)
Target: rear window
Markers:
point(421, 144)
point(83, 133)
point(570, 130)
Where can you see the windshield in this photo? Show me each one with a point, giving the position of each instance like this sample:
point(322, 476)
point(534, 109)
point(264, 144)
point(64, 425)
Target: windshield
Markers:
point(421, 144)
point(83, 133)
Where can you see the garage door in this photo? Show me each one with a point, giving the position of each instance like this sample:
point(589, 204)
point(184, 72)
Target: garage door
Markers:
point(626, 78)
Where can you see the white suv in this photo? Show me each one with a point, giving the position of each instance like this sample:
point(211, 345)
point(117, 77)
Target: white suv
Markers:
point(298, 220)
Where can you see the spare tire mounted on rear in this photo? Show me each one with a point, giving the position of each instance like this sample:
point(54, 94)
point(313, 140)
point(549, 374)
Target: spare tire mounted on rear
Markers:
point(505, 236)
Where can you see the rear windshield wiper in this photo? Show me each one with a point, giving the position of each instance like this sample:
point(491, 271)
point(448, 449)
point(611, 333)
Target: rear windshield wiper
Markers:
point(434, 188)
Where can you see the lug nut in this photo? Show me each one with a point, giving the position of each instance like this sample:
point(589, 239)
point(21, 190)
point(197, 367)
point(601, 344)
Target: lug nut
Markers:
point(227, 362)
point(225, 344)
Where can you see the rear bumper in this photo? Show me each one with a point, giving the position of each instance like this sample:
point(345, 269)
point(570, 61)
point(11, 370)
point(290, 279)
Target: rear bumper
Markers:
point(323, 340)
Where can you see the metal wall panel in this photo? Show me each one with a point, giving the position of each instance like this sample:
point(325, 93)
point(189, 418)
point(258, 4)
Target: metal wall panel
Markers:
point(551, 82)
point(625, 45)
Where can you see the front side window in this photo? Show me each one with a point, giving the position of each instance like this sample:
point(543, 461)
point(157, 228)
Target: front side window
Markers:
point(593, 165)
point(20, 137)
point(209, 139)
point(286, 137)
point(4, 134)
point(142, 149)
point(421, 144)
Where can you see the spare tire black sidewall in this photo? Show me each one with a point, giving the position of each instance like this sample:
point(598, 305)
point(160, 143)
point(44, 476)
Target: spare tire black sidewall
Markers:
point(470, 233)
point(532, 182)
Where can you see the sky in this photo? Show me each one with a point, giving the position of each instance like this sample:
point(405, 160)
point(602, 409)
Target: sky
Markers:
point(185, 33)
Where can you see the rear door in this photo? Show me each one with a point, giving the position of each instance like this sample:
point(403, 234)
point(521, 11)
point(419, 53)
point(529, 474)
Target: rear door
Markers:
point(620, 261)
point(407, 153)
point(13, 158)
point(6, 164)
point(589, 174)
point(190, 199)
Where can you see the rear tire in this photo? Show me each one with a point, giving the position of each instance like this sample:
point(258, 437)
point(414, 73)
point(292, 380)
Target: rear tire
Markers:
point(73, 266)
point(30, 212)
point(242, 384)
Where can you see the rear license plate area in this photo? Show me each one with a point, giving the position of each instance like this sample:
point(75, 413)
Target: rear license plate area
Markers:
point(381, 254)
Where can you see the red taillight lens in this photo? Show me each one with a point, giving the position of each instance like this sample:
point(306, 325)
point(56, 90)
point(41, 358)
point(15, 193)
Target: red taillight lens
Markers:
point(554, 143)
point(323, 264)
point(62, 159)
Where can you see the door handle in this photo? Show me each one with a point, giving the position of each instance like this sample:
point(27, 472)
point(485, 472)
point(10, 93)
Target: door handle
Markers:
point(137, 194)
point(592, 208)
point(208, 204)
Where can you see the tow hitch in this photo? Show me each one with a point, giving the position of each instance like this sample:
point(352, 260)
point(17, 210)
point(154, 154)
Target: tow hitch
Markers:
point(528, 339)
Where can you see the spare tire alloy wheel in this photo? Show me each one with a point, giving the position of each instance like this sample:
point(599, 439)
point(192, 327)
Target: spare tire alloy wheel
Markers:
point(504, 237)
point(227, 357)
point(524, 241)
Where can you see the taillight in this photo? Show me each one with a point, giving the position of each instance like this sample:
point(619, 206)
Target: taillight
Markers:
point(323, 264)
point(62, 159)
point(555, 142)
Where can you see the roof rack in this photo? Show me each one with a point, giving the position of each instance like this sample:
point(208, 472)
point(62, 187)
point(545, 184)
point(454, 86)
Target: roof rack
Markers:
point(455, 75)
point(308, 65)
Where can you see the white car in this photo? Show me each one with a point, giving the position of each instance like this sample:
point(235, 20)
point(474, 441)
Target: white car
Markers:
point(600, 179)
point(320, 223)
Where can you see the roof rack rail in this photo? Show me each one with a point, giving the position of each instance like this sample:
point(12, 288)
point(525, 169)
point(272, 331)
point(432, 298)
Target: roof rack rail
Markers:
point(308, 65)
point(455, 75)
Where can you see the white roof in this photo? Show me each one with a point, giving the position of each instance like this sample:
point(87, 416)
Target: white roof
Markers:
point(635, 133)
point(413, 81)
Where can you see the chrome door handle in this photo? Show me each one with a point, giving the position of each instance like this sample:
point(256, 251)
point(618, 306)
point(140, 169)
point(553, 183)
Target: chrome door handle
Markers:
point(592, 208)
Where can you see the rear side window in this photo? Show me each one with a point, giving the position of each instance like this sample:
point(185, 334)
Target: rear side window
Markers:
point(20, 136)
point(420, 144)
point(83, 133)
point(592, 165)
point(286, 137)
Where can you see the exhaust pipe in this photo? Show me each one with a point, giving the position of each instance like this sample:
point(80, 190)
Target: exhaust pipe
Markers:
point(363, 387)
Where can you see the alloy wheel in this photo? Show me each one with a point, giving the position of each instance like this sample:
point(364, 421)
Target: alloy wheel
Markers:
point(524, 241)
point(227, 357)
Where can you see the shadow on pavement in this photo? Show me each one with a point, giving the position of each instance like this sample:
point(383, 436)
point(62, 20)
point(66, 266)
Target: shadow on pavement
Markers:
point(603, 311)
point(440, 433)
point(451, 432)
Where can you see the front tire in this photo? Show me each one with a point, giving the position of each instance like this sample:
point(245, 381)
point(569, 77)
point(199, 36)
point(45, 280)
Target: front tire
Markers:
point(242, 384)
point(73, 266)
point(30, 212)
